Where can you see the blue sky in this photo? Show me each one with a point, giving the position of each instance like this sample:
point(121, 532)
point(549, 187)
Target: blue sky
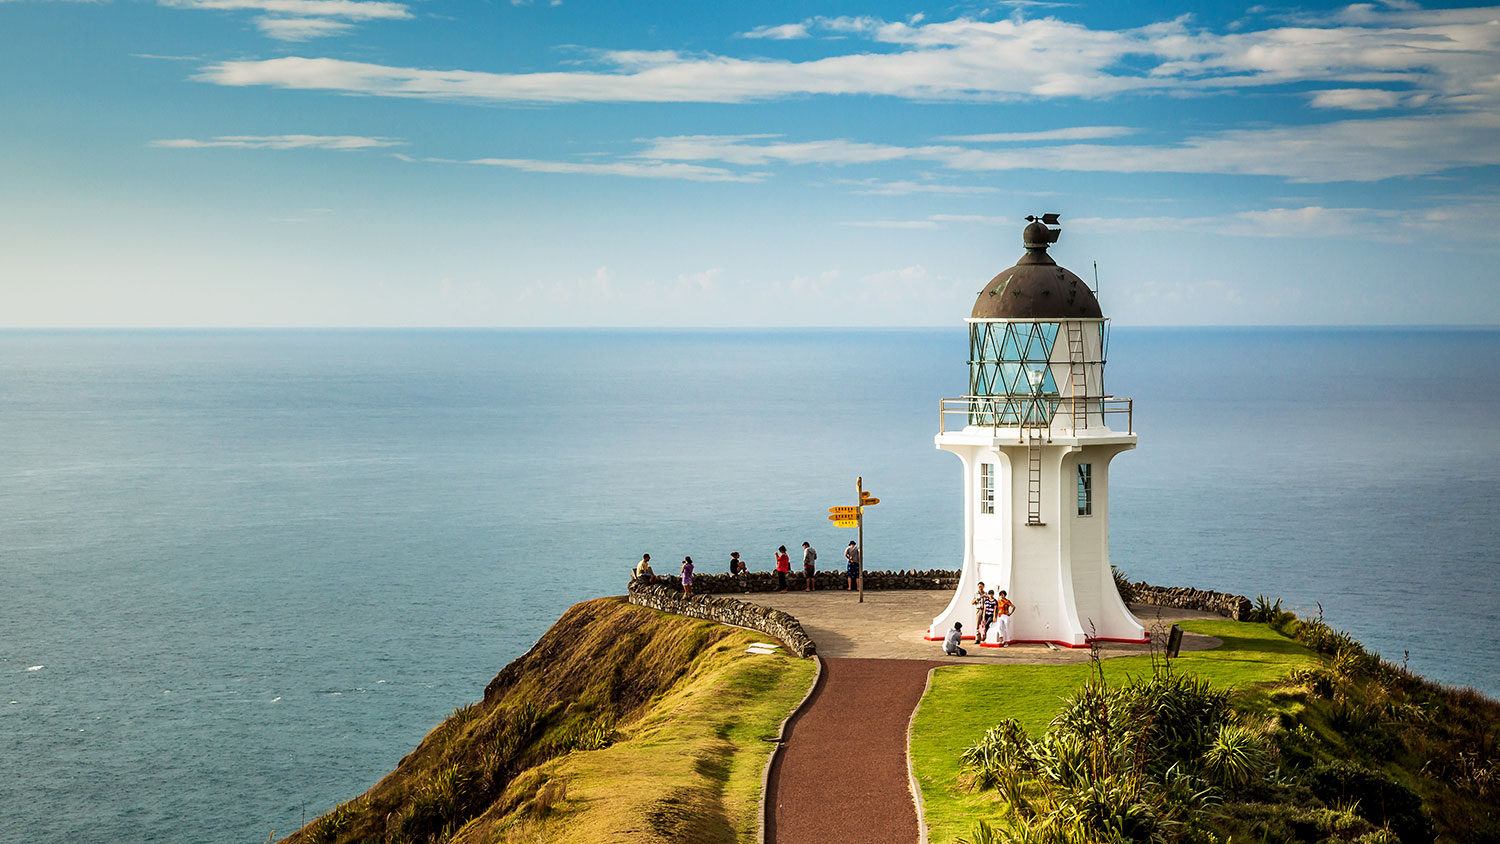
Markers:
point(374, 162)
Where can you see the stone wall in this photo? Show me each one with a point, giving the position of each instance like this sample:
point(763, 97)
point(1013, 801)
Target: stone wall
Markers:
point(1236, 607)
point(765, 581)
point(668, 597)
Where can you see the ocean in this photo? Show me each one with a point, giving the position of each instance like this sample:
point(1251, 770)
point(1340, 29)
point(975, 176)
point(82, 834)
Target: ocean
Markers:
point(242, 573)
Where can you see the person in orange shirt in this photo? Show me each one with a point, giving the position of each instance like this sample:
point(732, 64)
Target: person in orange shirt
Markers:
point(1002, 617)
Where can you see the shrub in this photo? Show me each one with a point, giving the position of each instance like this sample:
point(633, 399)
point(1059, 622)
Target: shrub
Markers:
point(1236, 755)
point(1381, 800)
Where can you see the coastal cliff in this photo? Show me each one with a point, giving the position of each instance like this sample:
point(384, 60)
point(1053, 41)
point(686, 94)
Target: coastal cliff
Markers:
point(620, 723)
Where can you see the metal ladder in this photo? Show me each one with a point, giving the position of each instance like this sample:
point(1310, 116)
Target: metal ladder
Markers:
point(1079, 390)
point(1034, 476)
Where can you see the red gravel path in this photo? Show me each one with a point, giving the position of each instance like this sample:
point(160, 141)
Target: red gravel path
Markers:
point(842, 775)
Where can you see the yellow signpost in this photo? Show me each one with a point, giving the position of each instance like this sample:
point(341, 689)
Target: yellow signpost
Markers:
point(854, 517)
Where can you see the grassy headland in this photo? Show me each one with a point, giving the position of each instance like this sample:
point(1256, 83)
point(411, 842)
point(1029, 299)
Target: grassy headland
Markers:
point(621, 724)
point(1297, 734)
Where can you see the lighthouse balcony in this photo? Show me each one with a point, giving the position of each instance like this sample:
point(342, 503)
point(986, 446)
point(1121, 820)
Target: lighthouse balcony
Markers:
point(1052, 417)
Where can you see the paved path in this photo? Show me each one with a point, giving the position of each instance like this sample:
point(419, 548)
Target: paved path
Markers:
point(842, 775)
point(891, 625)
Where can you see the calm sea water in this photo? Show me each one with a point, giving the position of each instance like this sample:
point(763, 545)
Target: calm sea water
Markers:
point(241, 574)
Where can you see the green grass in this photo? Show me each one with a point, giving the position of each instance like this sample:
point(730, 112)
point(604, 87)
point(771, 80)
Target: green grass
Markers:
point(621, 724)
point(966, 700)
point(688, 770)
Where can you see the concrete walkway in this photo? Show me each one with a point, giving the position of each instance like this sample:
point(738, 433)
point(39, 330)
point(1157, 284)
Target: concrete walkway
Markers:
point(891, 625)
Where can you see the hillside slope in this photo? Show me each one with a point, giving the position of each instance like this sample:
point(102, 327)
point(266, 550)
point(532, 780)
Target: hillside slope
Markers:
point(620, 724)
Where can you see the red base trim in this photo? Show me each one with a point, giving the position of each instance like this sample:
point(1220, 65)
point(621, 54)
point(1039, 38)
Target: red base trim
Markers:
point(1052, 641)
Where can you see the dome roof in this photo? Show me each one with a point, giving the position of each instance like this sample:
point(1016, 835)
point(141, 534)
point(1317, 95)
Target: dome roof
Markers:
point(1036, 287)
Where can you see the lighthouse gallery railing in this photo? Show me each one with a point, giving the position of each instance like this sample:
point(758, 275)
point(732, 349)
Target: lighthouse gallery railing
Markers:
point(1025, 411)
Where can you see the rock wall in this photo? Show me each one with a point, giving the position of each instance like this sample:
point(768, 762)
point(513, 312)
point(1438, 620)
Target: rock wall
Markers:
point(668, 597)
point(1236, 607)
point(765, 581)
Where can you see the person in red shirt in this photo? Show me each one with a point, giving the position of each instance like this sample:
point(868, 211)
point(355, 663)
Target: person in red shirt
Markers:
point(783, 565)
point(1003, 611)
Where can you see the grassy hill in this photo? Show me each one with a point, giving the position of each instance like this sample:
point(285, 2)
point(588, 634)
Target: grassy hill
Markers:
point(620, 724)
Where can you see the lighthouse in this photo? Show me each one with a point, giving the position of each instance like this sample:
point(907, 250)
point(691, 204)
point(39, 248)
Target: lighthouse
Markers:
point(1036, 435)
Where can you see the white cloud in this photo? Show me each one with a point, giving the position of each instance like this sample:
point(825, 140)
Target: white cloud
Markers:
point(303, 20)
point(639, 170)
point(300, 29)
point(875, 187)
point(1074, 133)
point(358, 10)
point(338, 142)
point(1346, 150)
point(892, 224)
point(1357, 99)
point(784, 32)
point(1445, 55)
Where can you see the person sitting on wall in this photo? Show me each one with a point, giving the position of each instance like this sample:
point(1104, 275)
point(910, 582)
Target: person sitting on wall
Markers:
point(950, 642)
point(643, 569)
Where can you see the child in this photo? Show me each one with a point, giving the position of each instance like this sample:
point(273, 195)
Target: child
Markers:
point(987, 614)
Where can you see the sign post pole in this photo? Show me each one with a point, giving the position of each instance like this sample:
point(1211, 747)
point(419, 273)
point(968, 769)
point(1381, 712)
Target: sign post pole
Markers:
point(859, 499)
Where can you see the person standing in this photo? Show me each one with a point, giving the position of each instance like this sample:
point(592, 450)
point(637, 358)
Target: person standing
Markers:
point(643, 569)
point(809, 565)
point(1004, 608)
point(978, 605)
point(851, 556)
point(950, 642)
point(783, 565)
point(987, 615)
point(687, 577)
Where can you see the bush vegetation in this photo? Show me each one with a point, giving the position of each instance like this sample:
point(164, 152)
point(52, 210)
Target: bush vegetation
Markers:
point(1354, 749)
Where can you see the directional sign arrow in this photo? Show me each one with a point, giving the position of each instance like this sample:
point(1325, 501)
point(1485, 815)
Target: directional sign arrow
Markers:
point(869, 502)
point(846, 511)
point(845, 522)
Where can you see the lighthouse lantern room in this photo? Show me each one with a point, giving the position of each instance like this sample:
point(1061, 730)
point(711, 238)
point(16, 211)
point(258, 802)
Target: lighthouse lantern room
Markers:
point(1035, 438)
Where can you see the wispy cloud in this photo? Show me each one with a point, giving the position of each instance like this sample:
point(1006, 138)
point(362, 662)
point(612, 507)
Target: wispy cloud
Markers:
point(876, 187)
point(335, 142)
point(1072, 133)
point(638, 170)
point(347, 9)
point(301, 29)
point(1446, 55)
point(891, 224)
point(1346, 150)
point(303, 20)
point(783, 32)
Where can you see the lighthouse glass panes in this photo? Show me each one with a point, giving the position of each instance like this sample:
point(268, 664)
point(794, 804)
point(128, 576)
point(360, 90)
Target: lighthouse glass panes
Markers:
point(986, 487)
point(1009, 363)
point(1085, 489)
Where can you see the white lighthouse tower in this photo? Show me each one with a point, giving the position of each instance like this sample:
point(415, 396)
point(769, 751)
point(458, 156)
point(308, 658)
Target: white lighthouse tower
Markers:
point(1036, 435)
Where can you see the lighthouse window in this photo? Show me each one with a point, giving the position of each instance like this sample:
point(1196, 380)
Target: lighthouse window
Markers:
point(986, 487)
point(1085, 489)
